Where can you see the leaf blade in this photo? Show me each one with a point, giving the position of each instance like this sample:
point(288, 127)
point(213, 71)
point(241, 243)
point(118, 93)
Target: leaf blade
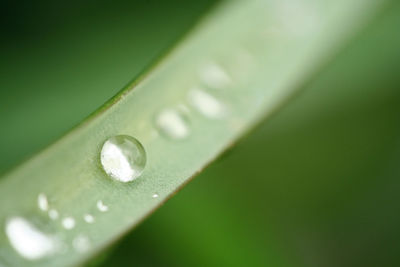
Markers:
point(69, 171)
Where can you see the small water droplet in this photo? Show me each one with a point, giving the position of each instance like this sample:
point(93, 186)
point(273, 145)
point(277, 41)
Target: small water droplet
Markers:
point(81, 243)
point(155, 195)
point(43, 203)
point(53, 214)
point(29, 241)
point(214, 76)
point(172, 124)
point(206, 103)
point(123, 158)
point(88, 218)
point(101, 206)
point(68, 223)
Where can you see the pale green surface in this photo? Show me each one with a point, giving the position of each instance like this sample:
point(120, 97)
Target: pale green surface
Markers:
point(282, 56)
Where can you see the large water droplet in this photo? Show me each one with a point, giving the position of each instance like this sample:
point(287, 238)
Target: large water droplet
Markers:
point(29, 241)
point(172, 124)
point(123, 158)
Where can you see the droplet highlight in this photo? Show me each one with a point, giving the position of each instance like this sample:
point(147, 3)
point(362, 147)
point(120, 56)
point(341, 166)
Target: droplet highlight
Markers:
point(155, 195)
point(43, 203)
point(123, 158)
point(88, 218)
point(214, 76)
point(172, 124)
point(101, 206)
point(53, 214)
point(206, 104)
point(30, 242)
point(68, 223)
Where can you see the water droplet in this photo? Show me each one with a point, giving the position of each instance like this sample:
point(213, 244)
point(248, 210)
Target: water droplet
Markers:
point(123, 158)
point(206, 104)
point(172, 124)
point(53, 214)
point(28, 241)
point(81, 243)
point(155, 195)
point(43, 202)
point(214, 76)
point(88, 218)
point(68, 223)
point(101, 206)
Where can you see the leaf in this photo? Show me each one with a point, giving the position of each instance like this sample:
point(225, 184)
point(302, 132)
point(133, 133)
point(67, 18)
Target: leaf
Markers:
point(241, 64)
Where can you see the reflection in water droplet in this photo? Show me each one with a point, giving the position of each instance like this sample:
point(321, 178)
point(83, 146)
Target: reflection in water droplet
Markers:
point(88, 218)
point(68, 223)
point(43, 202)
point(172, 124)
point(214, 76)
point(81, 243)
point(53, 214)
point(123, 158)
point(27, 240)
point(206, 104)
point(155, 195)
point(101, 206)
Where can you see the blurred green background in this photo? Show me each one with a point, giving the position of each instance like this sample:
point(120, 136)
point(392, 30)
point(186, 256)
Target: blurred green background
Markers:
point(316, 185)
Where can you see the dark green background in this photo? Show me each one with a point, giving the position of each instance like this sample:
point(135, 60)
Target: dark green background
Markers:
point(316, 185)
point(61, 60)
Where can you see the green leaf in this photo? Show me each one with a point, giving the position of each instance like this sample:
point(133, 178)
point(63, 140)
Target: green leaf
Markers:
point(241, 64)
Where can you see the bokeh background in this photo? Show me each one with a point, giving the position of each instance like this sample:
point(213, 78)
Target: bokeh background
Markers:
point(316, 185)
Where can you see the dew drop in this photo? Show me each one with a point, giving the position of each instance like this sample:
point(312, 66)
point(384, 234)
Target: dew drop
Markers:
point(172, 124)
point(101, 206)
point(68, 223)
point(53, 214)
point(81, 243)
point(155, 195)
point(214, 76)
point(206, 103)
point(29, 241)
point(123, 158)
point(88, 218)
point(43, 203)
